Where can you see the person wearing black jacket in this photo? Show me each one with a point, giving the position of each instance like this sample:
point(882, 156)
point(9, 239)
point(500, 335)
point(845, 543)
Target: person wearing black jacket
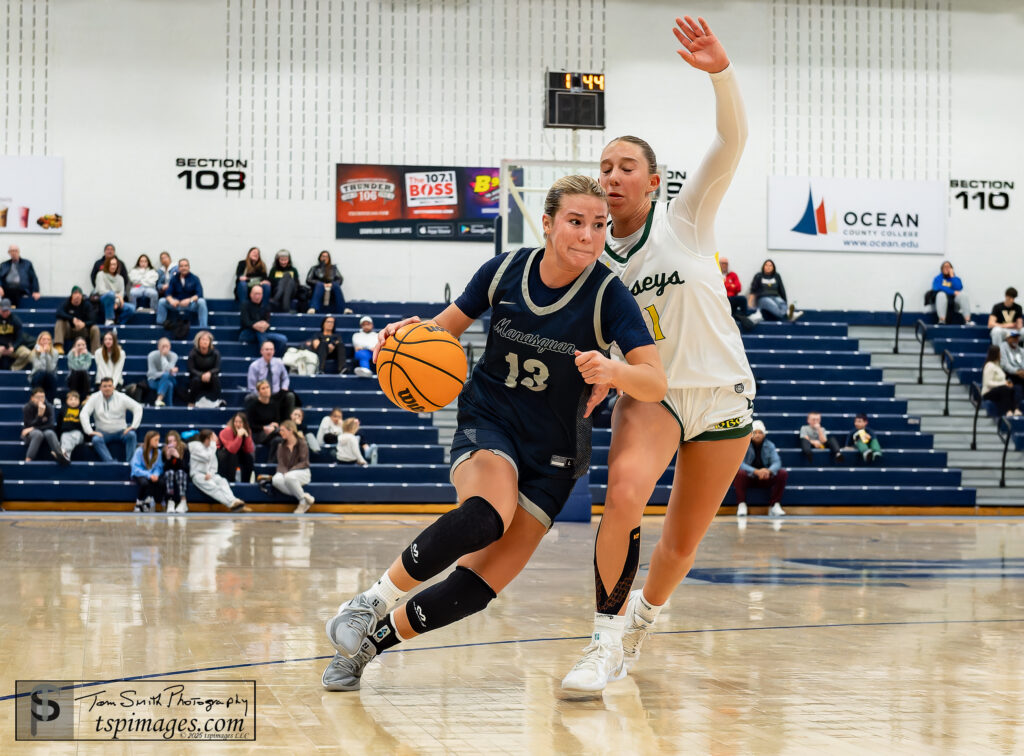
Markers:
point(768, 294)
point(285, 284)
point(265, 415)
point(17, 277)
point(76, 319)
point(328, 346)
point(255, 318)
point(14, 355)
point(203, 369)
point(122, 269)
point(39, 421)
point(325, 280)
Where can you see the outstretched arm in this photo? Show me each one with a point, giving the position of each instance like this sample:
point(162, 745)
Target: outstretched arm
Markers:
point(693, 212)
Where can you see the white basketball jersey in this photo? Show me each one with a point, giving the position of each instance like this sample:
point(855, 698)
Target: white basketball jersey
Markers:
point(684, 304)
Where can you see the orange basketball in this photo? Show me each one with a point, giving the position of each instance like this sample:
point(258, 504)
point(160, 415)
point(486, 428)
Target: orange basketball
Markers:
point(422, 367)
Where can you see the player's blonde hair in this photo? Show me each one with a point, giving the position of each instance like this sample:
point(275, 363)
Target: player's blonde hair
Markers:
point(568, 186)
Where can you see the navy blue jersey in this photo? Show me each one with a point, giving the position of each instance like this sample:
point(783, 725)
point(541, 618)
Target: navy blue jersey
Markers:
point(527, 380)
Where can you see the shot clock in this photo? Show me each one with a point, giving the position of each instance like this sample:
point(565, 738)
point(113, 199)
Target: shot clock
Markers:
point(574, 100)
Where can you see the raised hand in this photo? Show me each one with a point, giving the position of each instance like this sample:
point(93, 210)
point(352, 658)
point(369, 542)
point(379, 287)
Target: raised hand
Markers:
point(701, 48)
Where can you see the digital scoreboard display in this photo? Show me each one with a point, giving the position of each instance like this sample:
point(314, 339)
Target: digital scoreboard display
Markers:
point(574, 100)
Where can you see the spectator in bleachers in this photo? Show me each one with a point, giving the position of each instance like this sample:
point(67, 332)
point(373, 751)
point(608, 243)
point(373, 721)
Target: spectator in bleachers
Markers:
point(285, 284)
point(176, 473)
point(814, 436)
point(250, 272)
point(325, 280)
point(111, 289)
point(271, 369)
point(110, 253)
point(203, 370)
point(147, 473)
point(293, 471)
point(331, 428)
point(299, 418)
point(164, 271)
point(264, 416)
point(110, 360)
point(144, 278)
point(761, 468)
point(69, 424)
point(205, 476)
point(44, 366)
point(76, 318)
point(161, 370)
point(236, 451)
point(110, 423)
point(17, 277)
point(363, 342)
point(255, 319)
point(768, 294)
point(350, 448)
point(184, 295)
point(1011, 358)
point(997, 388)
point(38, 424)
point(1006, 316)
point(79, 365)
point(949, 294)
point(748, 318)
point(864, 440)
point(328, 346)
point(14, 355)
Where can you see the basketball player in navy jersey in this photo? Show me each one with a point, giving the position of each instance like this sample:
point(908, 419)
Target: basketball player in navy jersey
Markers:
point(523, 436)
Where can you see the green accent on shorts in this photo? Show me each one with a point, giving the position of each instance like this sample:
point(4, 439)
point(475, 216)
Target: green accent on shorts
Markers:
point(672, 412)
point(722, 435)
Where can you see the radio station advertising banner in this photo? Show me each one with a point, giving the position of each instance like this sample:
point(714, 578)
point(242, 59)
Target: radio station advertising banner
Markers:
point(31, 195)
point(857, 215)
point(416, 202)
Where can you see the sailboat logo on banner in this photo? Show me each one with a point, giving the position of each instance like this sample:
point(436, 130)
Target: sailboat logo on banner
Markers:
point(813, 221)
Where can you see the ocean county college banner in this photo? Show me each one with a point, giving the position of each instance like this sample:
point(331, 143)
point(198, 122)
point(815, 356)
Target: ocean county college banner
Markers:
point(857, 215)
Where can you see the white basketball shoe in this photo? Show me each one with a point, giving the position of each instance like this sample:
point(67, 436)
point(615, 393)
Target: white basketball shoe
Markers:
point(600, 665)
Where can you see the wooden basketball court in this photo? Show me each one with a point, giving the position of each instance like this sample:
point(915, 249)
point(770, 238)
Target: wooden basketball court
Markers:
point(884, 635)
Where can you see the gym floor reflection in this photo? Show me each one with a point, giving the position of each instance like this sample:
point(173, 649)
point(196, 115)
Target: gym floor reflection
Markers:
point(852, 635)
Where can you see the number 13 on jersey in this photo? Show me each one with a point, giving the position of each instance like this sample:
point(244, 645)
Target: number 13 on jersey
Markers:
point(655, 322)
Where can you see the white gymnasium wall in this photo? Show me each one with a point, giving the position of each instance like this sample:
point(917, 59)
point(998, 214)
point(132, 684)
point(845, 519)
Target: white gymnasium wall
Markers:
point(866, 88)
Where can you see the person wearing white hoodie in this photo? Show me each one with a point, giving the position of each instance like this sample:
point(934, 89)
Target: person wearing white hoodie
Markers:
point(203, 470)
point(104, 418)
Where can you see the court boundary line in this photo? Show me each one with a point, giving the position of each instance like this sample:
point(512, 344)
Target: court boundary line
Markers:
point(246, 665)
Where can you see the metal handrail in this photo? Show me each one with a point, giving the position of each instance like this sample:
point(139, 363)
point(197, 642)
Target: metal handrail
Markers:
point(899, 320)
point(1004, 423)
point(947, 357)
point(974, 393)
point(921, 334)
point(447, 294)
point(469, 355)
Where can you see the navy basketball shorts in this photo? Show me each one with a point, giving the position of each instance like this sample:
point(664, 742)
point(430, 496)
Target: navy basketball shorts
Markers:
point(542, 496)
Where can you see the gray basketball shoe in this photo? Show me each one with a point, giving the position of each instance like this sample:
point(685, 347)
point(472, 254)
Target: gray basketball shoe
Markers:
point(343, 673)
point(354, 621)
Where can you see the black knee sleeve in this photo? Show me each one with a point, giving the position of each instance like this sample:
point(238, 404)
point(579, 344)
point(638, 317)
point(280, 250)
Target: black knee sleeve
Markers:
point(611, 603)
point(471, 527)
point(459, 595)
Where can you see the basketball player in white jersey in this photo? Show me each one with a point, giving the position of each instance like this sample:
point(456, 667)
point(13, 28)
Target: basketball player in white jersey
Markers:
point(665, 253)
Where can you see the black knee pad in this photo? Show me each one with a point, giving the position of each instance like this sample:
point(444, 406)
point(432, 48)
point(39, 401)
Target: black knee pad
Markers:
point(459, 595)
point(471, 527)
point(611, 603)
